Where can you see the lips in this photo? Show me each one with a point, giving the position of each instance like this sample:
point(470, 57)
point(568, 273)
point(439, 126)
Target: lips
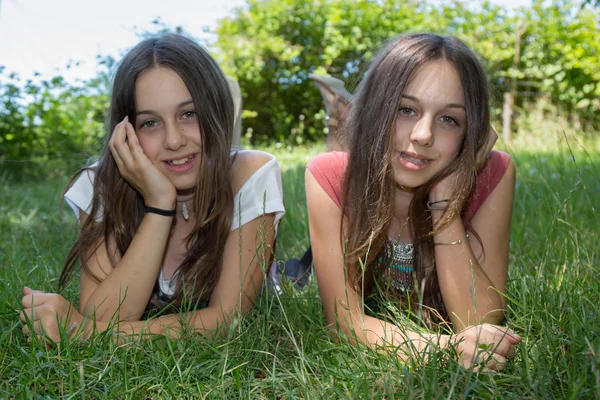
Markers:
point(182, 163)
point(413, 161)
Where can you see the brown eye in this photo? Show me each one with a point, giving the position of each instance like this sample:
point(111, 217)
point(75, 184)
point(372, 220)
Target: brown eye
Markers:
point(149, 124)
point(406, 111)
point(449, 120)
point(188, 114)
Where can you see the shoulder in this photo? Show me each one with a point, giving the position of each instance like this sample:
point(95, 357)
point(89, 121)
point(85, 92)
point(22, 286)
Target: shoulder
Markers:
point(80, 190)
point(256, 182)
point(498, 160)
point(247, 163)
point(333, 160)
point(499, 164)
point(328, 171)
point(499, 171)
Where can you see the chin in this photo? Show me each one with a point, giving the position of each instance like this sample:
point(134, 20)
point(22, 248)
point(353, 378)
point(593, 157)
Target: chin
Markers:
point(186, 188)
point(410, 185)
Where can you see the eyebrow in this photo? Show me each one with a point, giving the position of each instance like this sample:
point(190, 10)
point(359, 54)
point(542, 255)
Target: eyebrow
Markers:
point(180, 105)
point(449, 105)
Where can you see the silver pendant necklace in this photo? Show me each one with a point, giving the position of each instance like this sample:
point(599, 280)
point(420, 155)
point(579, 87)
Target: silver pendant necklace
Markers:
point(185, 211)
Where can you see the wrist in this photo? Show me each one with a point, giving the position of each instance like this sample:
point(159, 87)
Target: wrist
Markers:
point(444, 341)
point(171, 212)
point(165, 203)
point(165, 199)
point(92, 326)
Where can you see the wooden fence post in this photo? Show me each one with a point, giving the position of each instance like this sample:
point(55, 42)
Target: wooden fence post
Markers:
point(509, 100)
point(509, 97)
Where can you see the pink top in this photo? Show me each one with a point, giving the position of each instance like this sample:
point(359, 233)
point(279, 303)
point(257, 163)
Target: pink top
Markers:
point(328, 169)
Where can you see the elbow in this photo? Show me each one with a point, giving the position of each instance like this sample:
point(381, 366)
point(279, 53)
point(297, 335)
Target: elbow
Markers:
point(342, 327)
point(213, 321)
point(495, 317)
point(102, 313)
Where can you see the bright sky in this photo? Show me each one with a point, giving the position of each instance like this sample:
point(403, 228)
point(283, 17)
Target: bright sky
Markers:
point(44, 35)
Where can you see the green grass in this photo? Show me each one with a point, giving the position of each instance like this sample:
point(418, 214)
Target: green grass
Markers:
point(283, 349)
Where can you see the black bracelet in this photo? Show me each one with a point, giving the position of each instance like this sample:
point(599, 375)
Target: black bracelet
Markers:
point(159, 211)
point(431, 203)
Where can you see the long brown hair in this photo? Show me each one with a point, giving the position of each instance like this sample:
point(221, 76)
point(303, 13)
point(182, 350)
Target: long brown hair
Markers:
point(369, 182)
point(120, 208)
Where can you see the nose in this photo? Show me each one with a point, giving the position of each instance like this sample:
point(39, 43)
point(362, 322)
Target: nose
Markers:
point(422, 132)
point(174, 137)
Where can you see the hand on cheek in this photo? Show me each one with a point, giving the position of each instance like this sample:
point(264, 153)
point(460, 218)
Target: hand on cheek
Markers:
point(138, 170)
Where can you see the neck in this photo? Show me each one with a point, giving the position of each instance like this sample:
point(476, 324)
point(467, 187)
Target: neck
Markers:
point(399, 225)
point(184, 196)
point(402, 202)
point(185, 206)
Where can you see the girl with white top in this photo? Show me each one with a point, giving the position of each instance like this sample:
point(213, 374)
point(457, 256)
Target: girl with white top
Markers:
point(170, 218)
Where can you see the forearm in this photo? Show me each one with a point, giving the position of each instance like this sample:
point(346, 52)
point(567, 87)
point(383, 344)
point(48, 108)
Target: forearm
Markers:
point(128, 287)
point(469, 295)
point(407, 343)
point(379, 334)
point(204, 321)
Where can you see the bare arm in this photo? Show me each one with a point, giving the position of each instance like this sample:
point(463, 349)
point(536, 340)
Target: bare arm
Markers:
point(343, 306)
point(473, 288)
point(236, 291)
point(127, 288)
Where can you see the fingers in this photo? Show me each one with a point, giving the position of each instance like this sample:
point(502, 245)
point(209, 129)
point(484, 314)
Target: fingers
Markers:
point(28, 290)
point(496, 362)
point(40, 332)
point(502, 333)
point(30, 314)
point(484, 359)
point(486, 347)
point(482, 154)
point(488, 361)
point(119, 146)
point(112, 144)
point(500, 341)
point(34, 299)
point(132, 139)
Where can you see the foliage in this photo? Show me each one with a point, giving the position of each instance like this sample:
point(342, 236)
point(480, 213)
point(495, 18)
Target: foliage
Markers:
point(50, 125)
point(273, 46)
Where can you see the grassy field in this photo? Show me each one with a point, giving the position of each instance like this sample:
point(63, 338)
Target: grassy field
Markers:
point(283, 349)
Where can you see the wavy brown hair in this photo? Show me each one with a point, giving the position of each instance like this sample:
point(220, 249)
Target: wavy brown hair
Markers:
point(119, 208)
point(369, 182)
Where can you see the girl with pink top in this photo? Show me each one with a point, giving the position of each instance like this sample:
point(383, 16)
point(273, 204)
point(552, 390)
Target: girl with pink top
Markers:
point(419, 209)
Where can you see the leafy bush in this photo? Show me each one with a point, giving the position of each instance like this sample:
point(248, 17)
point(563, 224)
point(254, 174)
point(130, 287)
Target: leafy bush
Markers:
point(273, 46)
point(51, 127)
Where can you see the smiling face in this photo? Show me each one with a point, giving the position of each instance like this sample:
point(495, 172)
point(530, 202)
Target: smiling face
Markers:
point(167, 126)
point(430, 124)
